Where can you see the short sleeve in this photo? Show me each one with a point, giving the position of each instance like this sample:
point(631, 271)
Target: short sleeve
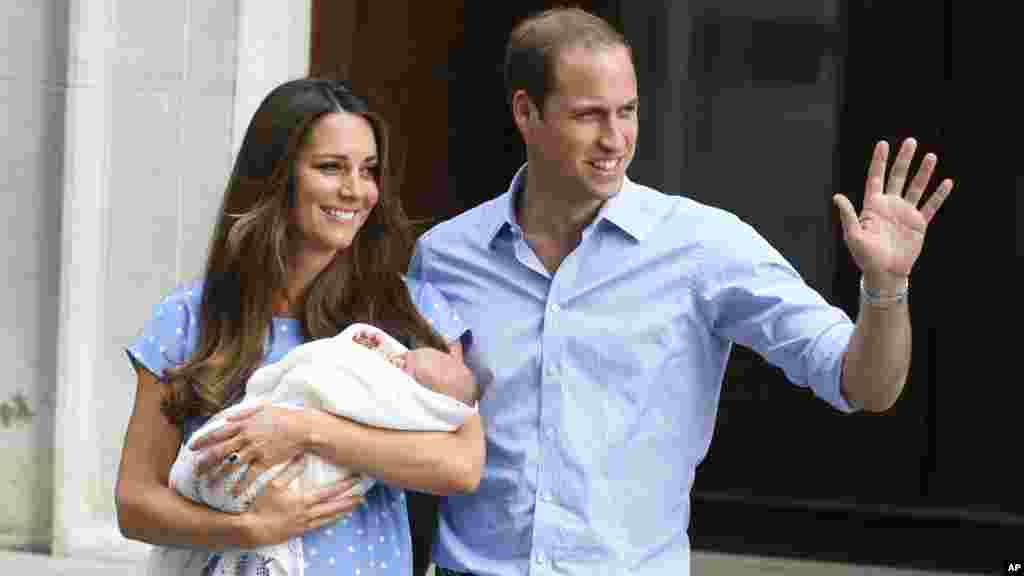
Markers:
point(433, 306)
point(170, 335)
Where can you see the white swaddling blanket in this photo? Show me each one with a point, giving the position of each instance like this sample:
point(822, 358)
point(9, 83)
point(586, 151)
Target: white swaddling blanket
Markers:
point(336, 375)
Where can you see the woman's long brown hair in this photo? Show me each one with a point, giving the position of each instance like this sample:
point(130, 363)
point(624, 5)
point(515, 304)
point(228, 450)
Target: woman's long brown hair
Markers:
point(247, 261)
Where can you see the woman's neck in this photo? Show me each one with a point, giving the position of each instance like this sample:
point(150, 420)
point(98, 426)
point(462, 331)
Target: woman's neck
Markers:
point(301, 272)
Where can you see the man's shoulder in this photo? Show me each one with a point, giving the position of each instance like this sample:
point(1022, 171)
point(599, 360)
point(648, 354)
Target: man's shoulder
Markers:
point(682, 212)
point(472, 226)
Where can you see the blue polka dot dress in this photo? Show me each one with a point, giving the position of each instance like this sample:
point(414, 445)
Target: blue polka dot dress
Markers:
point(375, 538)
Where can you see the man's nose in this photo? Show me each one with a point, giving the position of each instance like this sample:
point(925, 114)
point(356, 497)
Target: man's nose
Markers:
point(613, 135)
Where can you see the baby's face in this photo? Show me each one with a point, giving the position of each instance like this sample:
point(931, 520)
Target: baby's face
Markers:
point(441, 373)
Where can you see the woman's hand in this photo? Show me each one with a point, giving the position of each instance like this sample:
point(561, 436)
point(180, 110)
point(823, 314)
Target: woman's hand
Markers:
point(257, 437)
point(279, 513)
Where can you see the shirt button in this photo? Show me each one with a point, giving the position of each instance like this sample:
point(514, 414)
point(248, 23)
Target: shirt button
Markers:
point(555, 308)
point(546, 496)
point(539, 558)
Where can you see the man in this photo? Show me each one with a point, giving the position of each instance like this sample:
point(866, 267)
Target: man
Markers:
point(603, 313)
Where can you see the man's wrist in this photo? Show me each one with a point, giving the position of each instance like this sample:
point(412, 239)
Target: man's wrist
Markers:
point(892, 293)
point(885, 284)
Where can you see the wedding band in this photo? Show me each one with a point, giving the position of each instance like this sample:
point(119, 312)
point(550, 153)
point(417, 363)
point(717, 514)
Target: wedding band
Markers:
point(233, 458)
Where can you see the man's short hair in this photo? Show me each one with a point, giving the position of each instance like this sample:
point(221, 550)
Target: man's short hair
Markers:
point(531, 55)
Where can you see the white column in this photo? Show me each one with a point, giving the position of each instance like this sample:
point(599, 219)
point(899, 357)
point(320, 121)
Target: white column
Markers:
point(83, 245)
point(273, 47)
point(157, 99)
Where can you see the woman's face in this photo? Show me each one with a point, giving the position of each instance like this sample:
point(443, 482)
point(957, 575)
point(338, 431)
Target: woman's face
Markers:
point(336, 175)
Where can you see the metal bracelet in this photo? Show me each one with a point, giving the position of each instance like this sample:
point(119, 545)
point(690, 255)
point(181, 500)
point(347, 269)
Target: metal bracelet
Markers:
point(883, 299)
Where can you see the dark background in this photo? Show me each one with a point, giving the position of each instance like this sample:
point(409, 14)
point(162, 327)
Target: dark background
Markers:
point(766, 109)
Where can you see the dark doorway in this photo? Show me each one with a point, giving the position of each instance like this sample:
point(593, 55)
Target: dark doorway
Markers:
point(758, 92)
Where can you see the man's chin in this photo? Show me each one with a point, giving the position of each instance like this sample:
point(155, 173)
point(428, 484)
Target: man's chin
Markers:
point(606, 188)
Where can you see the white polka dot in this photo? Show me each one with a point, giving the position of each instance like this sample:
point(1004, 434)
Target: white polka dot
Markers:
point(163, 348)
point(359, 531)
point(358, 572)
point(152, 339)
point(351, 548)
point(381, 538)
point(181, 308)
point(330, 532)
point(383, 565)
point(284, 328)
point(179, 331)
point(189, 293)
point(331, 561)
point(313, 552)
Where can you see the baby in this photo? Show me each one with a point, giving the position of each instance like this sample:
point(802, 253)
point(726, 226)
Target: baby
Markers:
point(362, 374)
point(417, 364)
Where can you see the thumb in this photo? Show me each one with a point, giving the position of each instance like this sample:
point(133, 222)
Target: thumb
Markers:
point(847, 214)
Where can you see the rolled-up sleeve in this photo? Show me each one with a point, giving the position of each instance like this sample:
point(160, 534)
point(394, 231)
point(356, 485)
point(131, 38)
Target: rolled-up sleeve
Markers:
point(755, 298)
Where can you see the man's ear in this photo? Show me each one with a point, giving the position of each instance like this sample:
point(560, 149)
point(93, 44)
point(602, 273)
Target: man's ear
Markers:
point(523, 110)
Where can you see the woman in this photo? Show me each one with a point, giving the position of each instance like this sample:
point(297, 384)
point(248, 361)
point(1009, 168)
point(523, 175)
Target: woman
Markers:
point(309, 240)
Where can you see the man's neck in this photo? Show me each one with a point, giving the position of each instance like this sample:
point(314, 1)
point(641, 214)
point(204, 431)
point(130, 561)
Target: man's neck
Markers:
point(553, 221)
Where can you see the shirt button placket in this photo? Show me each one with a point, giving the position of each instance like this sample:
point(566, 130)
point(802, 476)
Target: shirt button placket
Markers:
point(549, 408)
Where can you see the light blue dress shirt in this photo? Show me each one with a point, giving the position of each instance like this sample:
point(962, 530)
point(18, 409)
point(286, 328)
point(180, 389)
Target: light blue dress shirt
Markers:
point(601, 381)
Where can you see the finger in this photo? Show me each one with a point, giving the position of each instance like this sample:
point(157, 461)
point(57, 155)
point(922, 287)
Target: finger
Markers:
point(217, 436)
point(901, 167)
point(332, 491)
point(249, 475)
point(218, 455)
point(331, 512)
point(254, 461)
point(936, 199)
point(296, 466)
point(847, 214)
point(920, 181)
point(244, 413)
point(876, 172)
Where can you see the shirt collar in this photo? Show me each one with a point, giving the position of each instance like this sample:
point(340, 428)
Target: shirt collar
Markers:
point(627, 210)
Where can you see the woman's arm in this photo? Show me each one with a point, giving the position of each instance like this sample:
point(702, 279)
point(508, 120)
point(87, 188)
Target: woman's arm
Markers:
point(150, 511)
point(435, 462)
point(440, 463)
